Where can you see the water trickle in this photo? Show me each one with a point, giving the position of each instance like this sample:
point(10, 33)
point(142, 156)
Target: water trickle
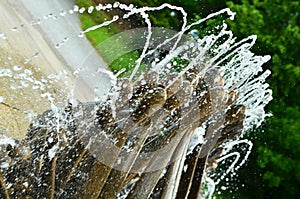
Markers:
point(175, 122)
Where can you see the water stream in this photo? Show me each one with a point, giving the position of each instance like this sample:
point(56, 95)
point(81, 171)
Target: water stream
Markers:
point(159, 133)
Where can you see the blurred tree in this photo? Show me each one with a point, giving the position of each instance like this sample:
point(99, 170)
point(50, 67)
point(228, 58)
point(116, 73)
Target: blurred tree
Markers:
point(276, 24)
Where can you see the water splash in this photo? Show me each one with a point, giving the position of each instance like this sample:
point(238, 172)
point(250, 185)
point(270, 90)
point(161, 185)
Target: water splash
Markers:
point(190, 109)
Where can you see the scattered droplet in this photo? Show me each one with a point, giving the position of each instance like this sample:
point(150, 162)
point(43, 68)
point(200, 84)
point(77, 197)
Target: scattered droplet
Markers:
point(26, 61)
point(131, 6)
point(91, 9)
point(81, 10)
point(62, 13)
point(3, 35)
point(81, 34)
point(35, 55)
point(109, 6)
point(99, 7)
point(17, 68)
point(76, 8)
point(116, 4)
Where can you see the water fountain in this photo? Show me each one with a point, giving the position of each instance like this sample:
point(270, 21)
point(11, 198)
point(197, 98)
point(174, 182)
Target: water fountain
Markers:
point(156, 134)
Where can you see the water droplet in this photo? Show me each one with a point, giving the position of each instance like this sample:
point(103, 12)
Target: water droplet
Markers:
point(75, 8)
point(35, 55)
point(81, 34)
point(131, 6)
point(3, 35)
point(116, 4)
point(26, 61)
point(50, 139)
point(109, 6)
point(17, 68)
point(33, 23)
point(81, 10)
point(99, 7)
point(62, 13)
point(91, 9)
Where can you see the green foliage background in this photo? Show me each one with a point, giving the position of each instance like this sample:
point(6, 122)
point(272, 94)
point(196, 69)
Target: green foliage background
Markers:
point(273, 170)
point(277, 148)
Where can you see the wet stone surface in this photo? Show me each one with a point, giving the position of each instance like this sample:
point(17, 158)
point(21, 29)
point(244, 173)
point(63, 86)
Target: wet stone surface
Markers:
point(98, 148)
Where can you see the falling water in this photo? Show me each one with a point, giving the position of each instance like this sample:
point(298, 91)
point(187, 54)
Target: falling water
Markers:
point(194, 100)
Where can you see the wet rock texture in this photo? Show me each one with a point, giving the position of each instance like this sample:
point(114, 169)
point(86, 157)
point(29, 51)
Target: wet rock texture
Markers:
point(136, 144)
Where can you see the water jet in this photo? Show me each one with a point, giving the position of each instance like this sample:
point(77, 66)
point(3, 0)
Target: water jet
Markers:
point(155, 134)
